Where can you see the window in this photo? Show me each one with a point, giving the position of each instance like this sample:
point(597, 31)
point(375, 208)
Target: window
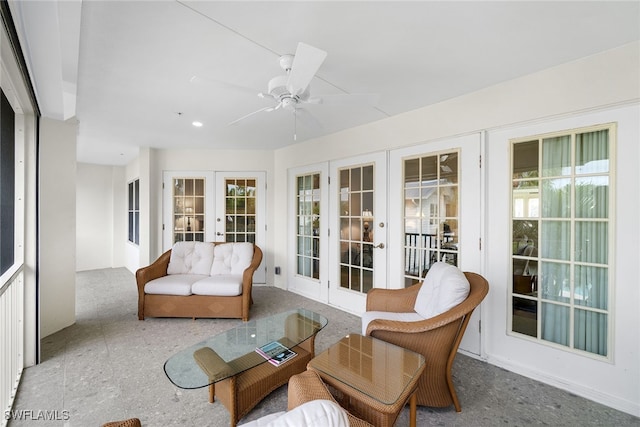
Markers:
point(562, 199)
point(308, 220)
point(430, 212)
point(134, 211)
point(7, 184)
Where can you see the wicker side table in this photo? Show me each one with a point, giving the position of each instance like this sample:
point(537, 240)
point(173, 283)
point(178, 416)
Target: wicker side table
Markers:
point(370, 378)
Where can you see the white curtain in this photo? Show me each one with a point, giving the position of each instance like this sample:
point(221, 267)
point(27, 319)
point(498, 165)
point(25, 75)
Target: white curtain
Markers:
point(587, 265)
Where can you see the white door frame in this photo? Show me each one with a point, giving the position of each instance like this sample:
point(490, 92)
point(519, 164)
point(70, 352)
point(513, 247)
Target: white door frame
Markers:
point(167, 204)
point(470, 214)
point(214, 200)
point(307, 286)
point(260, 275)
point(352, 301)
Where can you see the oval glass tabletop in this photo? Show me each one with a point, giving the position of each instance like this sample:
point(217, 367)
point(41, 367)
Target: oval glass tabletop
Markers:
point(234, 351)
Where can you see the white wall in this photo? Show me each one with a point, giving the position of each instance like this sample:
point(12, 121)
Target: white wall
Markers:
point(213, 160)
point(94, 217)
point(57, 225)
point(101, 205)
point(102, 194)
point(608, 83)
point(593, 82)
point(615, 384)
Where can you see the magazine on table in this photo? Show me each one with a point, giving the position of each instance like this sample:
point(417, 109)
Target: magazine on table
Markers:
point(275, 353)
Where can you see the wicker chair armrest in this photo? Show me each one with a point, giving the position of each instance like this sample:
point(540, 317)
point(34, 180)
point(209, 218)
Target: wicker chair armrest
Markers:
point(153, 271)
point(247, 275)
point(475, 297)
point(409, 327)
point(394, 300)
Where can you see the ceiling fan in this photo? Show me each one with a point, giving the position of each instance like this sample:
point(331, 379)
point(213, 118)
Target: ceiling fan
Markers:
point(292, 90)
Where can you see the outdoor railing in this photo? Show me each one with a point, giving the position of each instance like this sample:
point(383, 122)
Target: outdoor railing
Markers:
point(11, 340)
point(421, 250)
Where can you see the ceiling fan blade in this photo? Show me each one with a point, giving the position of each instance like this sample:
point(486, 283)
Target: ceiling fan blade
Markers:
point(349, 99)
point(267, 109)
point(307, 119)
point(306, 63)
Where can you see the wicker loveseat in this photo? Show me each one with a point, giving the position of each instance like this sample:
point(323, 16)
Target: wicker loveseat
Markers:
point(197, 279)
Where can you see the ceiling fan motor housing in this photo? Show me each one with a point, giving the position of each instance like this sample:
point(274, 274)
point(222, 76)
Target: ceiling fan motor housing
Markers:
point(278, 90)
point(278, 87)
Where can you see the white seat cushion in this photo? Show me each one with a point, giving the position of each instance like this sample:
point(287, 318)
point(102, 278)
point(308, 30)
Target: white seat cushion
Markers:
point(223, 285)
point(368, 316)
point(174, 284)
point(315, 413)
point(191, 258)
point(444, 287)
point(231, 258)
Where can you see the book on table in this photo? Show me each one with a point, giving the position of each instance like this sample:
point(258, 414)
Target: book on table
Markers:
point(275, 353)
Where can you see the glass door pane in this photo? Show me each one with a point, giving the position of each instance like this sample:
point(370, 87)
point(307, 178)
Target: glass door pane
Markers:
point(431, 217)
point(188, 209)
point(240, 210)
point(308, 230)
point(358, 229)
point(356, 233)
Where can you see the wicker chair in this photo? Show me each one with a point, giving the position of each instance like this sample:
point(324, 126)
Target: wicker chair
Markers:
point(436, 338)
point(308, 386)
point(131, 422)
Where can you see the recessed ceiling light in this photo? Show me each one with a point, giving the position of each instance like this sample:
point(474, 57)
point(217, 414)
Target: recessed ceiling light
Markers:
point(197, 124)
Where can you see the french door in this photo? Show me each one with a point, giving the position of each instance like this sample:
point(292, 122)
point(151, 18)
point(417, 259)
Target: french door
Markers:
point(308, 231)
point(358, 230)
point(207, 206)
point(240, 211)
point(435, 207)
point(387, 218)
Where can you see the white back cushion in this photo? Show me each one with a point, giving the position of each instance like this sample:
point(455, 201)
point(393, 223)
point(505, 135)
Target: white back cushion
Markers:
point(314, 413)
point(191, 258)
point(231, 258)
point(444, 287)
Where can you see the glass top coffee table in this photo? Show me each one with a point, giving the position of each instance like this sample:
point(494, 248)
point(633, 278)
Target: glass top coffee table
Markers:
point(234, 371)
point(377, 378)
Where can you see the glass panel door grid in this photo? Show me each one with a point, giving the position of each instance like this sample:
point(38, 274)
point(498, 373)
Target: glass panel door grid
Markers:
point(240, 210)
point(356, 228)
point(308, 220)
point(188, 209)
point(431, 200)
point(561, 205)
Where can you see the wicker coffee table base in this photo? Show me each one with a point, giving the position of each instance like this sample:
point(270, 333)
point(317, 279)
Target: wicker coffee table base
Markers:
point(240, 393)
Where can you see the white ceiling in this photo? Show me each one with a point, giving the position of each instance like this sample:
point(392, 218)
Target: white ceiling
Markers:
point(127, 80)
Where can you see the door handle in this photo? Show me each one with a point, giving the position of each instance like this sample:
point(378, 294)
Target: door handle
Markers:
point(219, 234)
point(379, 246)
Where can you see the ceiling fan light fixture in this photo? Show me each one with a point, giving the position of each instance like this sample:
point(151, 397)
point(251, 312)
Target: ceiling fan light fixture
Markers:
point(278, 87)
point(289, 103)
